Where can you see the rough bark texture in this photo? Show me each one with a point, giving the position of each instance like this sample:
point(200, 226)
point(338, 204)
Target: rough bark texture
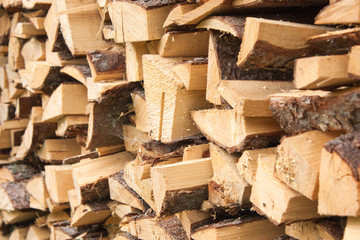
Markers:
point(185, 199)
point(107, 61)
point(19, 197)
point(227, 49)
point(74, 232)
point(347, 147)
point(26, 104)
point(76, 159)
point(305, 113)
point(21, 171)
point(109, 113)
point(84, 69)
point(54, 79)
point(94, 192)
point(335, 226)
point(173, 227)
point(156, 3)
point(73, 131)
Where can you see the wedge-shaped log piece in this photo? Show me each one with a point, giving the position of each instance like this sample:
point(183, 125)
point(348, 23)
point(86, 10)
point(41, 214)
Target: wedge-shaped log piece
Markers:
point(80, 28)
point(193, 219)
point(193, 73)
point(67, 99)
point(26, 30)
point(339, 182)
point(298, 161)
point(62, 230)
point(31, 4)
point(7, 110)
point(248, 162)
point(240, 132)
point(327, 228)
point(277, 3)
point(227, 188)
point(19, 233)
point(53, 151)
point(180, 186)
point(107, 64)
point(227, 24)
point(15, 59)
point(322, 72)
point(352, 228)
point(168, 103)
point(223, 51)
point(12, 217)
point(55, 207)
point(108, 114)
point(78, 72)
point(91, 213)
point(276, 200)
point(196, 152)
point(341, 12)
point(335, 42)
point(177, 12)
point(134, 22)
point(323, 110)
point(133, 138)
point(121, 192)
point(58, 181)
point(184, 44)
point(247, 226)
point(33, 50)
point(17, 172)
point(353, 68)
point(37, 233)
point(139, 103)
point(14, 196)
point(5, 26)
point(251, 98)
point(169, 228)
point(264, 46)
point(71, 126)
point(91, 176)
point(37, 189)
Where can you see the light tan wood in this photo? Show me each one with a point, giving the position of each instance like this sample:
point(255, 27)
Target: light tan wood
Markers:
point(55, 207)
point(55, 150)
point(33, 50)
point(191, 176)
point(192, 74)
point(15, 59)
point(353, 68)
point(57, 216)
point(251, 98)
point(5, 24)
point(341, 12)
point(19, 233)
point(248, 162)
point(91, 176)
point(227, 188)
point(228, 24)
point(4, 83)
point(352, 228)
point(163, 94)
point(243, 230)
point(233, 131)
point(322, 72)
point(108, 150)
point(259, 36)
point(196, 152)
point(26, 30)
point(55, 59)
point(5, 141)
point(73, 200)
point(276, 200)
point(38, 22)
point(184, 44)
point(298, 161)
point(139, 103)
point(96, 89)
point(133, 138)
point(15, 124)
point(109, 32)
point(192, 218)
point(79, 72)
point(80, 28)
point(36, 233)
point(71, 123)
point(177, 12)
point(124, 210)
point(12, 217)
point(35, 3)
point(67, 99)
point(58, 179)
point(37, 189)
point(92, 213)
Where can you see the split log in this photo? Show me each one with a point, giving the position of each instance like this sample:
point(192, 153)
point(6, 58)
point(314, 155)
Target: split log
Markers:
point(352, 228)
point(245, 227)
point(184, 44)
point(17, 172)
point(123, 211)
point(58, 179)
point(104, 151)
point(73, 201)
point(196, 152)
point(107, 64)
point(7, 111)
point(248, 162)
point(14, 196)
point(78, 72)
point(193, 73)
point(16, 137)
point(78, 158)
point(223, 50)
point(341, 12)
point(276, 4)
point(169, 228)
point(339, 177)
point(53, 151)
point(13, 217)
point(19, 233)
point(80, 28)
point(24, 105)
point(193, 219)
point(37, 189)
point(353, 69)
point(5, 26)
point(89, 214)
point(71, 126)
point(298, 161)
point(239, 133)
point(251, 98)
point(26, 30)
point(139, 104)
point(31, 4)
point(323, 110)
point(227, 188)
point(55, 207)
point(91, 176)
point(5, 141)
point(227, 24)
point(327, 228)
point(180, 186)
point(15, 59)
point(276, 200)
point(163, 94)
point(106, 117)
point(258, 50)
point(133, 138)
point(33, 50)
point(36, 233)
point(67, 99)
point(109, 32)
point(177, 12)
point(322, 72)
point(121, 192)
point(38, 22)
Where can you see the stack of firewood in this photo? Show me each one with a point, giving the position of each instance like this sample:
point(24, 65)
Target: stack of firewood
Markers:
point(179, 119)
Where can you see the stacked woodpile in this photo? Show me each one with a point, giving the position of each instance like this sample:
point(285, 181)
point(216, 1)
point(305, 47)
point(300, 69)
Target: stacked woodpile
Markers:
point(180, 119)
